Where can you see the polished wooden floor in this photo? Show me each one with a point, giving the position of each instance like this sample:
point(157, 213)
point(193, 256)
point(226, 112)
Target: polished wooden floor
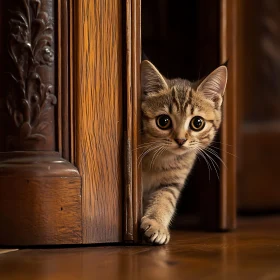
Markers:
point(252, 252)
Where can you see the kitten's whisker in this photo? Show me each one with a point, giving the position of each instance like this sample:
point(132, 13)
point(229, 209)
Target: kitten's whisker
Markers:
point(214, 153)
point(144, 145)
point(155, 156)
point(162, 151)
point(145, 153)
point(158, 153)
point(224, 151)
point(214, 164)
point(219, 142)
point(147, 148)
point(211, 151)
point(155, 152)
point(198, 156)
point(212, 159)
point(208, 164)
point(147, 143)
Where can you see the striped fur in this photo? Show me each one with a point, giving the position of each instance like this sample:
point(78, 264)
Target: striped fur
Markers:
point(165, 165)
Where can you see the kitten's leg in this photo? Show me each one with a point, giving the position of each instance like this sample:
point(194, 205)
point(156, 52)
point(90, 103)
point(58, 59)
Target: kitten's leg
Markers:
point(160, 208)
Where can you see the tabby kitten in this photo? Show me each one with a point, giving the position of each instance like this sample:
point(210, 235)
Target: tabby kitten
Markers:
point(179, 120)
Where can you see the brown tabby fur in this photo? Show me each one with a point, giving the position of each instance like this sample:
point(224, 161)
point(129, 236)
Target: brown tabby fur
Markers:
point(165, 164)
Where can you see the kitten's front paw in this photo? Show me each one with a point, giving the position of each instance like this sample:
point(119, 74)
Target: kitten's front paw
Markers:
point(154, 232)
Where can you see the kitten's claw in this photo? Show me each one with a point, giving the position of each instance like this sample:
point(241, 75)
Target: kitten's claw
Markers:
point(154, 232)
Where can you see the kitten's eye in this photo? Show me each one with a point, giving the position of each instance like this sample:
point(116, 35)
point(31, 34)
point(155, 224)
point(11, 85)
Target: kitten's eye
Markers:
point(197, 123)
point(164, 122)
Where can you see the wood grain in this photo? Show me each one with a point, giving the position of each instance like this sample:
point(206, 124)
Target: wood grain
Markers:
point(228, 39)
point(40, 200)
point(38, 214)
point(252, 252)
point(133, 191)
point(98, 91)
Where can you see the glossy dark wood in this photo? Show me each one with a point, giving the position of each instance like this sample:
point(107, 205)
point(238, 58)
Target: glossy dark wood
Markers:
point(228, 45)
point(252, 252)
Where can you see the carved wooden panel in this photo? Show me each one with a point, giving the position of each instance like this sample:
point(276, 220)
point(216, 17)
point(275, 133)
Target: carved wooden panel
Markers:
point(30, 95)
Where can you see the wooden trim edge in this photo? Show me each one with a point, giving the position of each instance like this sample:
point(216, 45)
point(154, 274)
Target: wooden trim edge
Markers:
point(228, 46)
point(133, 189)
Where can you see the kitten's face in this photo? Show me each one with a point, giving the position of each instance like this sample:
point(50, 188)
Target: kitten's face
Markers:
point(177, 116)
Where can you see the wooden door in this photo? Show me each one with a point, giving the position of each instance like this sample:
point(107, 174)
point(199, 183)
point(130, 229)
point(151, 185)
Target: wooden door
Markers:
point(62, 111)
point(70, 101)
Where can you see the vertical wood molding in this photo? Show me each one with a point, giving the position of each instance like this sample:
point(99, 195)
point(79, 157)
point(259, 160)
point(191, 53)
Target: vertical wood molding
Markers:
point(133, 191)
point(98, 110)
point(229, 43)
point(40, 192)
point(63, 80)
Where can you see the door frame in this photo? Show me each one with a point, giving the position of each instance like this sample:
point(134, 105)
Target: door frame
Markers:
point(215, 217)
point(132, 56)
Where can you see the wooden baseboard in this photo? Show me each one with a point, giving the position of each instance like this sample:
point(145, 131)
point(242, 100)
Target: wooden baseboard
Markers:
point(40, 200)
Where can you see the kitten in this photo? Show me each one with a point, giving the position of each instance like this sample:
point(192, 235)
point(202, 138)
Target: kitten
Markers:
point(179, 119)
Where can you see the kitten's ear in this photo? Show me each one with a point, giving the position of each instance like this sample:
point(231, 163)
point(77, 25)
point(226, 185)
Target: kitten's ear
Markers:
point(151, 80)
point(214, 85)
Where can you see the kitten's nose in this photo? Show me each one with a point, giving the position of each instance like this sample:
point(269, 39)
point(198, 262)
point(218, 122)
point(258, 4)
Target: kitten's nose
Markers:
point(181, 141)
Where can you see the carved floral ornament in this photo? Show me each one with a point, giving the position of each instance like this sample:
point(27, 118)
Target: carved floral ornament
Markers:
point(30, 47)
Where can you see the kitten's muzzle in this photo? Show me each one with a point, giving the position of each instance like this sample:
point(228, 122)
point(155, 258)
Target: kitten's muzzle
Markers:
point(181, 141)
